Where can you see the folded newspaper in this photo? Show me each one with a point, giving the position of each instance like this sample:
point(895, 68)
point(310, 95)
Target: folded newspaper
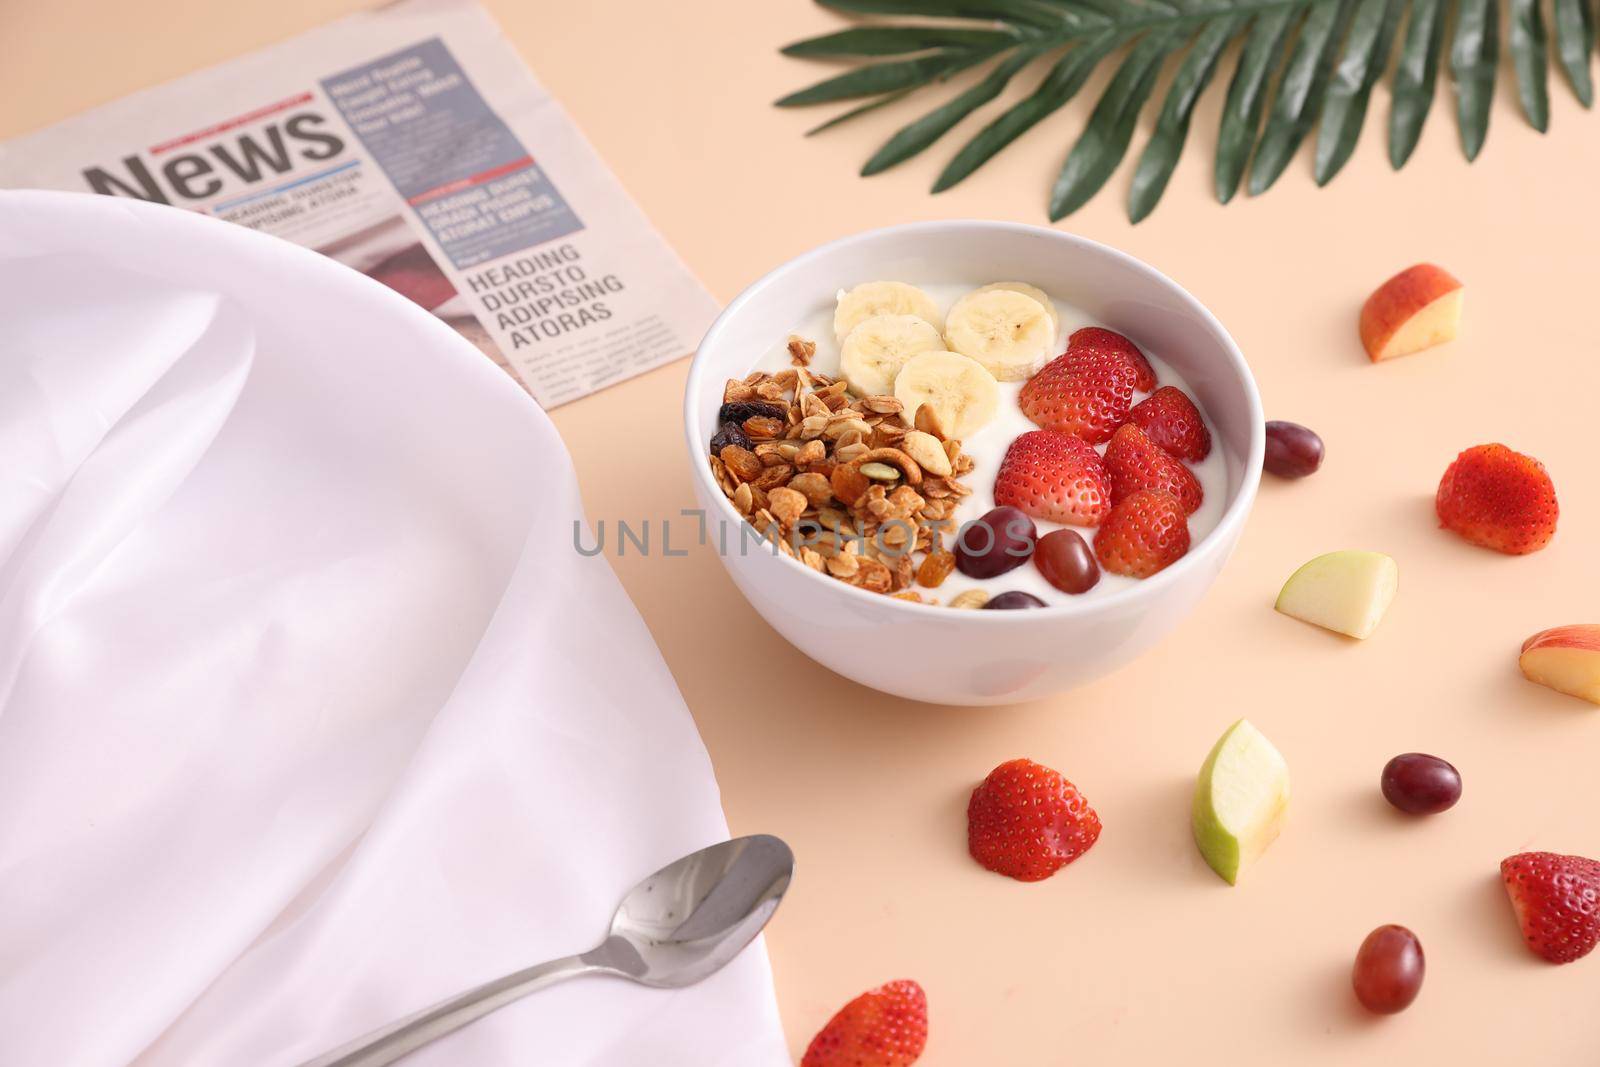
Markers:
point(412, 144)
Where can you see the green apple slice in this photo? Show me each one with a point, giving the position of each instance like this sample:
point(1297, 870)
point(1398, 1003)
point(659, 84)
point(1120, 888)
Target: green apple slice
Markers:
point(1347, 592)
point(1240, 800)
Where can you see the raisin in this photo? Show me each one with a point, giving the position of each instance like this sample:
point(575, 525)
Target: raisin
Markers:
point(729, 434)
point(739, 410)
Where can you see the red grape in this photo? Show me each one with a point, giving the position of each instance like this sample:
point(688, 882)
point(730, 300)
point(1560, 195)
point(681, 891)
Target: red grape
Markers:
point(1066, 561)
point(1388, 970)
point(1292, 450)
point(1421, 784)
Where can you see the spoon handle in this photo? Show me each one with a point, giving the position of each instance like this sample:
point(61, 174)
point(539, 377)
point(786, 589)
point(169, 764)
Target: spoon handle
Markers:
point(389, 1043)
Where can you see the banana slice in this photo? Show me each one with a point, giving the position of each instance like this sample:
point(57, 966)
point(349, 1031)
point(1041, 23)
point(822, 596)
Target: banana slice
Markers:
point(1028, 290)
point(1009, 333)
point(875, 350)
point(882, 298)
point(961, 394)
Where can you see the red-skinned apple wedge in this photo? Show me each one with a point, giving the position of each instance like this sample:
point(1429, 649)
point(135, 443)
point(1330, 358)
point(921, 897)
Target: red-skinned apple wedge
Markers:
point(1418, 308)
point(1566, 659)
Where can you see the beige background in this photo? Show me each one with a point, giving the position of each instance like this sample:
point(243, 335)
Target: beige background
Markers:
point(1136, 954)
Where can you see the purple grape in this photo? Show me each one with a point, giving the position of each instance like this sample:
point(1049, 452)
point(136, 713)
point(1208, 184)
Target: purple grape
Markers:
point(1012, 600)
point(1292, 450)
point(1000, 541)
point(1421, 784)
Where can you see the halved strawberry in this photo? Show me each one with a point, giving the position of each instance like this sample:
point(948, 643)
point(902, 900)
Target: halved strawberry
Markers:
point(1557, 901)
point(885, 1027)
point(1054, 476)
point(1498, 498)
point(1083, 391)
point(1174, 423)
point(1145, 533)
point(1113, 343)
point(1135, 462)
point(1027, 822)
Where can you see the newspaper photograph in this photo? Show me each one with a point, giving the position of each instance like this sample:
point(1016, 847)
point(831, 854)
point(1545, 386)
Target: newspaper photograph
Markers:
point(412, 144)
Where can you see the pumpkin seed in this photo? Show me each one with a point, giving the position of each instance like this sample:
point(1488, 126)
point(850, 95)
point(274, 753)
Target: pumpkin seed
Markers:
point(879, 472)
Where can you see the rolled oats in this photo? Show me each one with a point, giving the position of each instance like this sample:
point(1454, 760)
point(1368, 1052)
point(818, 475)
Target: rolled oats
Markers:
point(844, 565)
point(801, 351)
point(773, 477)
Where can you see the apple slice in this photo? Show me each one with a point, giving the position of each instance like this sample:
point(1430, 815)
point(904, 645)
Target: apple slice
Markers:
point(1567, 659)
point(1240, 800)
point(1346, 592)
point(1418, 308)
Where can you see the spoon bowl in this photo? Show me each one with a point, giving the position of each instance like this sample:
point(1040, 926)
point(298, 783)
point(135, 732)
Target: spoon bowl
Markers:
point(689, 919)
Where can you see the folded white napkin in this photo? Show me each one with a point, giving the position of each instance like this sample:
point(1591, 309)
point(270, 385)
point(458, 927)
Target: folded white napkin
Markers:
point(310, 713)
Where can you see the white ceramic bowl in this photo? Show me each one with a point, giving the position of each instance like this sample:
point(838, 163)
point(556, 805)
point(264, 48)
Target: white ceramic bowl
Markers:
point(938, 654)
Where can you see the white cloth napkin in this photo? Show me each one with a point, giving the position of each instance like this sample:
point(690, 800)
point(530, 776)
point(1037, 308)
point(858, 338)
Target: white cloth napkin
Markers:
point(310, 713)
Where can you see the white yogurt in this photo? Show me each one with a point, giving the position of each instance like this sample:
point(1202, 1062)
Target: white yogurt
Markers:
point(988, 446)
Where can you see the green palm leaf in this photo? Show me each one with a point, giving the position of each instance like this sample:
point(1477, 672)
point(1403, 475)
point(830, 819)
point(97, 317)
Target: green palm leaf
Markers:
point(1474, 53)
point(1574, 42)
point(1299, 92)
point(1530, 57)
point(936, 123)
point(1058, 86)
point(1299, 65)
point(1345, 109)
point(1172, 128)
point(1247, 98)
point(1414, 78)
point(1110, 128)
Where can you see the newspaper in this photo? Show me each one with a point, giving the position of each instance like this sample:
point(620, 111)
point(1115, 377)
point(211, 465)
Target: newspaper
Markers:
point(412, 144)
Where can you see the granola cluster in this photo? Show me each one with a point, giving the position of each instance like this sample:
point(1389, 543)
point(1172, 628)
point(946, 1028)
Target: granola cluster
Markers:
point(842, 484)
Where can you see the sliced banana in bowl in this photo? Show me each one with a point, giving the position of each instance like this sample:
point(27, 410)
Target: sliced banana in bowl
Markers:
point(1029, 290)
point(878, 347)
point(1008, 332)
point(882, 298)
point(959, 392)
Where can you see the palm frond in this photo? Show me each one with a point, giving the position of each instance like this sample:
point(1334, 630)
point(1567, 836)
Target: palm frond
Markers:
point(1300, 65)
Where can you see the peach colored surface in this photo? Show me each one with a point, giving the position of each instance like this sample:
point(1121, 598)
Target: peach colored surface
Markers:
point(1136, 954)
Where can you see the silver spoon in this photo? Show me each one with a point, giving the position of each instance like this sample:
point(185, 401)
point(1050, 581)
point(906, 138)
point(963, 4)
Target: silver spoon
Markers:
point(678, 926)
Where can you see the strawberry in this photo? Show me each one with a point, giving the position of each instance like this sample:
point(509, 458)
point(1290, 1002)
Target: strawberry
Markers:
point(1498, 498)
point(1134, 462)
point(885, 1027)
point(1083, 391)
point(1054, 476)
point(1174, 423)
point(1113, 343)
point(1027, 822)
point(1557, 901)
point(1145, 533)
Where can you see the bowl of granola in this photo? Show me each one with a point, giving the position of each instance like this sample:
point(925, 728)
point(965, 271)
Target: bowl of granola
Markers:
point(972, 462)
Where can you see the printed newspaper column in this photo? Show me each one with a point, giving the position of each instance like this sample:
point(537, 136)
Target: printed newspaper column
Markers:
point(411, 144)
